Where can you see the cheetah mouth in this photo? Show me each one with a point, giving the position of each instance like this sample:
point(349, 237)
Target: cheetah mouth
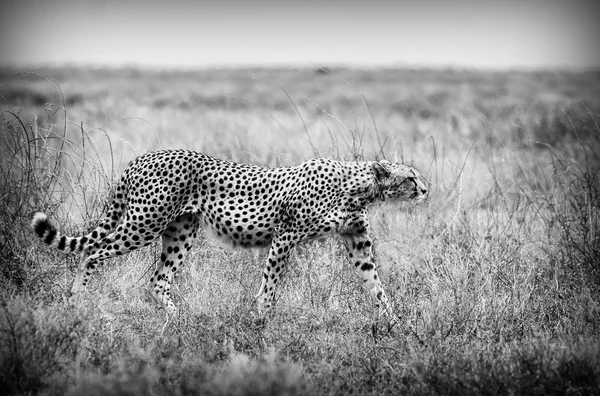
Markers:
point(418, 197)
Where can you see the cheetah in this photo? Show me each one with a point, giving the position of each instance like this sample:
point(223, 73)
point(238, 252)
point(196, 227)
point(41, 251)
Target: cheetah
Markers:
point(171, 193)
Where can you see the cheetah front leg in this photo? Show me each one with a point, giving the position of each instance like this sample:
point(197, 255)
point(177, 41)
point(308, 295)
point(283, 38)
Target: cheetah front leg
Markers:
point(361, 255)
point(278, 255)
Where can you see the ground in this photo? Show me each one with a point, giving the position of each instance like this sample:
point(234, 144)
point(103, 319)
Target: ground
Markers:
point(495, 278)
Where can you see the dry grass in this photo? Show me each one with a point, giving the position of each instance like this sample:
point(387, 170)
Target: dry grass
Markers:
point(496, 278)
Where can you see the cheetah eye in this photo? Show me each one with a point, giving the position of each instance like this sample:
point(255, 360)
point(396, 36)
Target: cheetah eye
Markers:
point(411, 182)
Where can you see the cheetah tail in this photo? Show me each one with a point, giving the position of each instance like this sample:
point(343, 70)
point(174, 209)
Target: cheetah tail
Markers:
point(48, 233)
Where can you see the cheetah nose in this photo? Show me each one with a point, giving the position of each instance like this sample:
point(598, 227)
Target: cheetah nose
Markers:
point(424, 190)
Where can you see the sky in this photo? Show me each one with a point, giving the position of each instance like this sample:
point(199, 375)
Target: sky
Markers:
point(184, 33)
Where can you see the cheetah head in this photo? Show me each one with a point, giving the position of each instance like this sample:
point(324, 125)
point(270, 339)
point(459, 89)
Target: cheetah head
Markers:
point(399, 182)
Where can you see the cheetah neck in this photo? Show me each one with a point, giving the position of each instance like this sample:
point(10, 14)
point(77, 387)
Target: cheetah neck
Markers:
point(371, 190)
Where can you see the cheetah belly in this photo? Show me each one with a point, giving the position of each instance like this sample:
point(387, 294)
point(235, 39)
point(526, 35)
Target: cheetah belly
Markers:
point(234, 230)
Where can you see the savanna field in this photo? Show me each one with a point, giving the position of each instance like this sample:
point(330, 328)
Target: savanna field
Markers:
point(495, 279)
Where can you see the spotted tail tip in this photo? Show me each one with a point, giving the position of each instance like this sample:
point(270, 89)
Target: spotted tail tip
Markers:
point(43, 228)
point(39, 223)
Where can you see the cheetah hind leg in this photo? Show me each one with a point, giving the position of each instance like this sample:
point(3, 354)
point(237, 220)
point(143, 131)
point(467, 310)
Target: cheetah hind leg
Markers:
point(93, 254)
point(176, 242)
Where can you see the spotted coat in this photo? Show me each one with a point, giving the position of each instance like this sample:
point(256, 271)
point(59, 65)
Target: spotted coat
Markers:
point(171, 193)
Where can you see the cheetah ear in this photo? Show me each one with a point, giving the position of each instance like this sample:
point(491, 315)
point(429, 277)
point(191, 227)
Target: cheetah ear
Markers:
point(381, 169)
